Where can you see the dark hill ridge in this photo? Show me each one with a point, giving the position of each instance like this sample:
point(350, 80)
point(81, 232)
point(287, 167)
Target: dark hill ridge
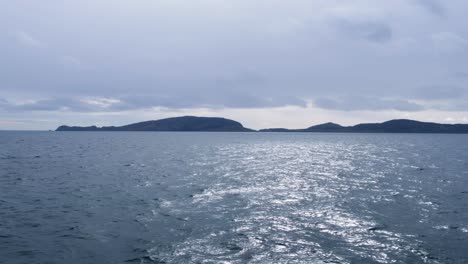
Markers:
point(411, 126)
point(183, 123)
point(324, 127)
point(212, 124)
point(392, 126)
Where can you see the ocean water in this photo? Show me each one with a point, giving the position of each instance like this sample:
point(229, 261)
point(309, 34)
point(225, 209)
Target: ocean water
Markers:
point(168, 197)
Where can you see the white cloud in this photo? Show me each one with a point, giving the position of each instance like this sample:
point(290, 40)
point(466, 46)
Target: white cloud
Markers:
point(101, 102)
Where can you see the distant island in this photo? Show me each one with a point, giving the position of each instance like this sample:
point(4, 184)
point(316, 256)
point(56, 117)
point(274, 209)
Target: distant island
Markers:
point(183, 123)
point(218, 124)
point(392, 126)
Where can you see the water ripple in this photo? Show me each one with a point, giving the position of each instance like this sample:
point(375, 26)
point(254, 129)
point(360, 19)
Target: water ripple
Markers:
point(233, 198)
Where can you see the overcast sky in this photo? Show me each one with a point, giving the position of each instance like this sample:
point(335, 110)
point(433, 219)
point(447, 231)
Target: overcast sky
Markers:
point(264, 63)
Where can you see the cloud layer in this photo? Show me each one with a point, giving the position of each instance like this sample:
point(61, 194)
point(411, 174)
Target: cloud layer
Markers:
point(107, 56)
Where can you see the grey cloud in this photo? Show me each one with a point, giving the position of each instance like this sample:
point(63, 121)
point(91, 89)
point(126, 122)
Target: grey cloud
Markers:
point(440, 92)
point(226, 99)
point(240, 79)
point(252, 101)
point(366, 103)
point(3, 103)
point(461, 75)
point(374, 31)
point(449, 42)
point(27, 39)
point(71, 62)
point(124, 103)
point(456, 105)
point(56, 104)
point(459, 105)
point(433, 6)
point(230, 54)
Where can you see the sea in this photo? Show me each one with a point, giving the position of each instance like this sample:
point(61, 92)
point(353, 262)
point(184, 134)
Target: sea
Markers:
point(189, 197)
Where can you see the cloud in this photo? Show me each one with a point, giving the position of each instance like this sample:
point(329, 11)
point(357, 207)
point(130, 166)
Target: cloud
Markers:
point(357, 103)
point(240, 79)
point(461, 74)
point(56, 104)
point(228, 55)
point(130, 103)
point(433, 6)
point(440, 92)
point(27, 39)
point(3, 103)
point(458, 105)
point(60, 104)
point(373, 31)
point(449, 42)
point(71, 62)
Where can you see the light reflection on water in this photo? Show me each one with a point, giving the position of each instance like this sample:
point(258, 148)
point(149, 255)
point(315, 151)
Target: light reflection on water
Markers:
point(233, 198)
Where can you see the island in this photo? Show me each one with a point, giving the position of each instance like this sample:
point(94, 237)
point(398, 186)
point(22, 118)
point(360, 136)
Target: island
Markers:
point(392, 126)
point(219, 124)
point(183, 123)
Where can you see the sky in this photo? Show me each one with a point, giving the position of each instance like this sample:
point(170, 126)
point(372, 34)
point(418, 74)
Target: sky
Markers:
point(263, 63)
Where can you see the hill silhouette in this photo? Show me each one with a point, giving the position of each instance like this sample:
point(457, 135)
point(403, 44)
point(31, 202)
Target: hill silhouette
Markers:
point(213, 124)
point(183, 123)
point(392, 126)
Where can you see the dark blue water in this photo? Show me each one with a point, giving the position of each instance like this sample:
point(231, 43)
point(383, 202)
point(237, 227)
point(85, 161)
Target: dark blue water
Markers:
point(84, 197)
